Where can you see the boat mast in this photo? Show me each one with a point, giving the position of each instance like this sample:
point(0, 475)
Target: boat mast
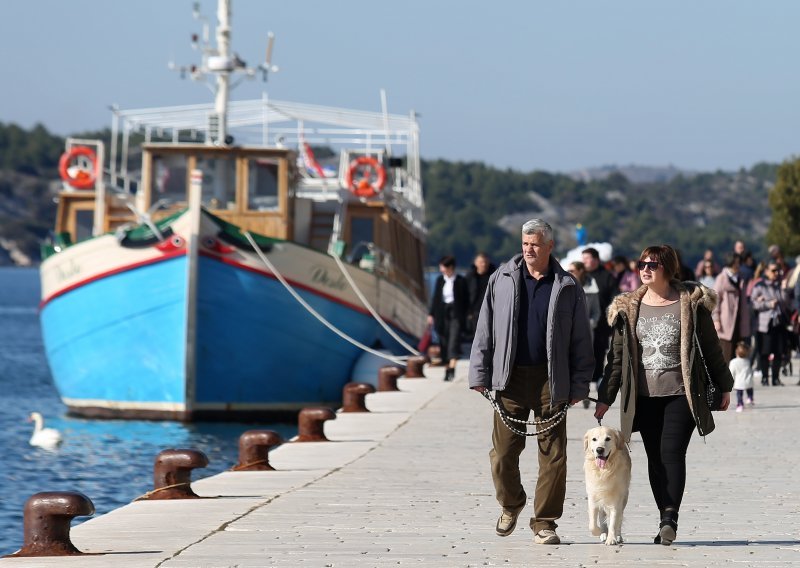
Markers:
point(221, 62)
point(223, 78)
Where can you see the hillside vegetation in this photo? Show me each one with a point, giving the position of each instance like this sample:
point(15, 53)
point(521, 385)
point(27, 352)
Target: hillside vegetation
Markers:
point(470, 206)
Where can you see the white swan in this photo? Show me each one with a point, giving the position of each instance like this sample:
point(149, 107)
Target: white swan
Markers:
point(43, 437)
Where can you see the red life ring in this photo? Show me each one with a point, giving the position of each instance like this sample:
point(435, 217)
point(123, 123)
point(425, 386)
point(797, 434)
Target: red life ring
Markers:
point(83, 179)
point(367, 167)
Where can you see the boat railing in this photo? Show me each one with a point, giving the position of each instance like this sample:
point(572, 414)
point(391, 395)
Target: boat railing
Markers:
point(271, 123)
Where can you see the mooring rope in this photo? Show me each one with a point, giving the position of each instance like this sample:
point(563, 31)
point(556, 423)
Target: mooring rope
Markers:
point(369, 307)
point(160, 489)
point(393, 358)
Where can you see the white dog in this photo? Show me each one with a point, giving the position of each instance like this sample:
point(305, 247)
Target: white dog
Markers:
point(608, 478)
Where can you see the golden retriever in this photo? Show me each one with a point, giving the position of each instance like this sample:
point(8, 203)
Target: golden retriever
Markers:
point(608, 477)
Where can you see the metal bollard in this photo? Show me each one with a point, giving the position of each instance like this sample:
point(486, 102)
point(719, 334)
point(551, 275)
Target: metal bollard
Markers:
point(46, 522)
point(414, 367)
point(387, 378)
point(254, 447)
point(310, 424)
point(172, 474)
point(353, 395)
point(435, 355)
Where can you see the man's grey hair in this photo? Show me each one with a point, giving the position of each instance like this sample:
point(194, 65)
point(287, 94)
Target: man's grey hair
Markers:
point(539, 226)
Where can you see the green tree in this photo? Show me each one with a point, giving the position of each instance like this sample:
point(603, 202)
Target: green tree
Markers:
point(784, 199)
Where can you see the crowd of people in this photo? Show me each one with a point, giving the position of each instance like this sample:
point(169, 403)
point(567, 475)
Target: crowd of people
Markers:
point(758, 304)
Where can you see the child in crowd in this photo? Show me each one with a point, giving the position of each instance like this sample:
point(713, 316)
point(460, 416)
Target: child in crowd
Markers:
point(742, 376)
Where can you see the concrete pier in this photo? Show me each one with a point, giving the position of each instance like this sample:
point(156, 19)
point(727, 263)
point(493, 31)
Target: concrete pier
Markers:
point(408, 484)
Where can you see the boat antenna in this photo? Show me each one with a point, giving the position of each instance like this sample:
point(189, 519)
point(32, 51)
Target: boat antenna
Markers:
point(218, 65)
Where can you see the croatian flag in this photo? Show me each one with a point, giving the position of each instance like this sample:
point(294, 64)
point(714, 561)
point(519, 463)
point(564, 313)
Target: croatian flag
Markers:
point(311, 164)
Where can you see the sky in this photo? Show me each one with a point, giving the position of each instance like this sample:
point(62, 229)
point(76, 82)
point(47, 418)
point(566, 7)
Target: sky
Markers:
point(551, 85)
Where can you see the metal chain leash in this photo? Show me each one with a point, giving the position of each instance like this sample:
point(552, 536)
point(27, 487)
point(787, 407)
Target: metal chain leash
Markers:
point(556, 419)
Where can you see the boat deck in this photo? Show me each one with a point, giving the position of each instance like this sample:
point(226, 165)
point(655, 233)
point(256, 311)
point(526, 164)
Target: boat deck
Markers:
point(409, 483)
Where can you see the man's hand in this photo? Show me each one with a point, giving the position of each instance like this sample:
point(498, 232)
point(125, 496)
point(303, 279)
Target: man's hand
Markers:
point(575, 401)
point(600, 410)
point(726, 401)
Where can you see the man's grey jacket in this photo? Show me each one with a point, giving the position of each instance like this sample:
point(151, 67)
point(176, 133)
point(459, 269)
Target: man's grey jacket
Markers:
point(570, 355)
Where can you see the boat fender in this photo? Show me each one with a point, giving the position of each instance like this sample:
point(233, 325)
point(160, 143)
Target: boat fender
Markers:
point(213, 244)
point(366, 167)
point(175, 242)
point(79, 178)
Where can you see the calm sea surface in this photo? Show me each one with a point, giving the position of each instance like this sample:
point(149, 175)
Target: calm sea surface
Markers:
point(110, 461)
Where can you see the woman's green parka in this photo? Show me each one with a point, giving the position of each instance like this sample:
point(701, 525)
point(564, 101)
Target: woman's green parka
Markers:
point(620, 375)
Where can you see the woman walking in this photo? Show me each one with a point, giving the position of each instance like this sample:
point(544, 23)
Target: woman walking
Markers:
point(664, 350)
point(732, 314)
point(771, 304)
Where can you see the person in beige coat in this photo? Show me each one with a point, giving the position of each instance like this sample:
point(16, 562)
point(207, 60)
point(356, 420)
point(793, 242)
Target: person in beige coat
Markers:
point(664, 351)
point(732, 314)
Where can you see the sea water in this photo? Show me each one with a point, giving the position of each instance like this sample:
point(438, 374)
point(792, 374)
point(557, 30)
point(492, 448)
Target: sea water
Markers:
point(110, 461)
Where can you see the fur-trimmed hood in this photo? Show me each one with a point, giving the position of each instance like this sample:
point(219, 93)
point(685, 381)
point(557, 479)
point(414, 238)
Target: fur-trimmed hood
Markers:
point(693, 295)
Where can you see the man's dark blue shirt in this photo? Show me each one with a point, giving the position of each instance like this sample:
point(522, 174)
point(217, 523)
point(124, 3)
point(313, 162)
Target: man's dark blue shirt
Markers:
point(532, 321)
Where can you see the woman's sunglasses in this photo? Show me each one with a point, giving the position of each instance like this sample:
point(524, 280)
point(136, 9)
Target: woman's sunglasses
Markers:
point(652, 265)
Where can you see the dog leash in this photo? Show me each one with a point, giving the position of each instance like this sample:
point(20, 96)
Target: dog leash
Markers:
point(556, 419)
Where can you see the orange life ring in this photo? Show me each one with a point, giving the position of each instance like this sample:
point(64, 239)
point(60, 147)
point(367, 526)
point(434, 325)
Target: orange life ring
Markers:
point(83, 179)
point(367, 167)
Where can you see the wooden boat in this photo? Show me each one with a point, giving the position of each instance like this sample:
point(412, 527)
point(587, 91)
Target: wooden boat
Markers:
point(232, 274)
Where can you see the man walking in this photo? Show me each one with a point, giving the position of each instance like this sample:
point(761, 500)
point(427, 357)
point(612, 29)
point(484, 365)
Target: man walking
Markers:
point(608, 289)
point(532, 345)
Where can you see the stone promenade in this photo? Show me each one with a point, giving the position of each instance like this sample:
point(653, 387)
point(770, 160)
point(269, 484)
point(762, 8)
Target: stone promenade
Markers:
point(409, 484)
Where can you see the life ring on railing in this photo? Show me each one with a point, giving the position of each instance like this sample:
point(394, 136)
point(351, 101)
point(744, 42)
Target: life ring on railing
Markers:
point(368, 168)
point(79, 178)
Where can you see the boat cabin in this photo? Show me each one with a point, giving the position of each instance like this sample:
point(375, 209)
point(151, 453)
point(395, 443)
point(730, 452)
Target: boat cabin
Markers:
point(352, 213)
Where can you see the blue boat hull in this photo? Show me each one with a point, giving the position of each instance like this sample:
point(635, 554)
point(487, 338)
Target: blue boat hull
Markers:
point(117, 346)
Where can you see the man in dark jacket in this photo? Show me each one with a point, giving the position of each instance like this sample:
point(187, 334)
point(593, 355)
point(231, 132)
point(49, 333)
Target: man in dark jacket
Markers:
point(448, 313)
point(477, 281)
point(533, 345)
point(608, 289)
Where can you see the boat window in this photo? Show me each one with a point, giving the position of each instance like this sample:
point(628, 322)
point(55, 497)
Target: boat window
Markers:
point(169, 178)
point(362, 229)
point(262, 186)
point(84, 221)
point(219, 181)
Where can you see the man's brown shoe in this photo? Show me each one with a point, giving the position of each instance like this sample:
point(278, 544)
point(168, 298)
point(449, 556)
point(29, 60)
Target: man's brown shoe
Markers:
point(546, 536)
point(506, 523)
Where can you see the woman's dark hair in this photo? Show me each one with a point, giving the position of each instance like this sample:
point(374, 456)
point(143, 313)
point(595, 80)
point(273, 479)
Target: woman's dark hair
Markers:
point(448, 261)
point(666, 256)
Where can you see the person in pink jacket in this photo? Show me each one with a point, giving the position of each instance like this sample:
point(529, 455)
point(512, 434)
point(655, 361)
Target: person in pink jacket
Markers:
point(732, 314)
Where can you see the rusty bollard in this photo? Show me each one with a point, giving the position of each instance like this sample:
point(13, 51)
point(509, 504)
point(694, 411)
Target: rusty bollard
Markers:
point(254, 447)
point(353, 395)
point(46, 522)
point(387, 378)
point(435, 355)
point(310, 424)
point(414, 367)
point(172, 474)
